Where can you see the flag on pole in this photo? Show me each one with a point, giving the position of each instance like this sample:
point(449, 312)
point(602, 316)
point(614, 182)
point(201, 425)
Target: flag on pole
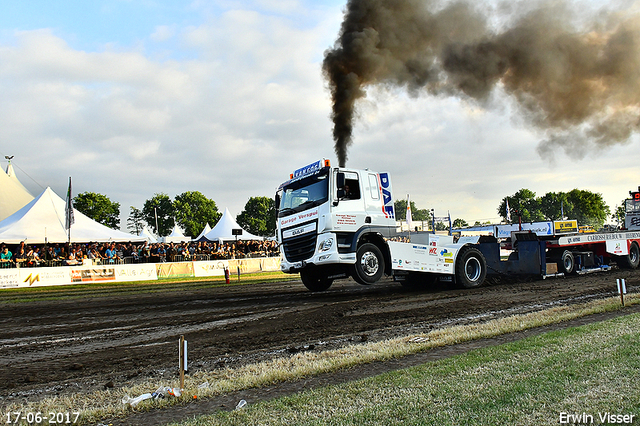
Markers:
point(409, 218)
point(449, 215)
point(68, 210)
point(508, 212)
point(561, 209)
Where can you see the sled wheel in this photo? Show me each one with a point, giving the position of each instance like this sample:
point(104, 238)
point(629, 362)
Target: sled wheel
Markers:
point(567, 262)
point(631, 260)
point(471, 267)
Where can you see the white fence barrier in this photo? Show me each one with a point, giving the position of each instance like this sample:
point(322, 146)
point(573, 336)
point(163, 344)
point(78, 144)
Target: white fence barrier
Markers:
point(65, 275)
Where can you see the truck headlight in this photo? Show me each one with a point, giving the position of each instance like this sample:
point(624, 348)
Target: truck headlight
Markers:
point(325, 245)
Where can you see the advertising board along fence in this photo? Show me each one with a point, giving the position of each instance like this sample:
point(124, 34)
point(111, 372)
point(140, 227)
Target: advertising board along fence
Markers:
point(66, 275)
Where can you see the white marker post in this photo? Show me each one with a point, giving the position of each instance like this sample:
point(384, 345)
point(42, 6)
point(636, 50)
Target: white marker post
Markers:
point(182, 349)
point(622, 289)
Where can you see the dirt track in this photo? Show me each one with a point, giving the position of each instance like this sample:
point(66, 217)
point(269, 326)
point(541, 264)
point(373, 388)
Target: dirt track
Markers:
point(57, 347)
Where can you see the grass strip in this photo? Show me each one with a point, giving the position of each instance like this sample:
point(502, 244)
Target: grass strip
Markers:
point(588, 371)
point(103, 404)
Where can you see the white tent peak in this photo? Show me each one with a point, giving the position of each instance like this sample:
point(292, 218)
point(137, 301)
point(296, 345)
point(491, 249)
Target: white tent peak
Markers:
point(42, 220)
point(148, 235)
point(176, 232)
point(176, 236)
point(223, 231)
point(13, 195)
point(205, 231)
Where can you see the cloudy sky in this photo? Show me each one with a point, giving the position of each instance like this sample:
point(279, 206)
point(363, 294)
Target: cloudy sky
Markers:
point(136, 97)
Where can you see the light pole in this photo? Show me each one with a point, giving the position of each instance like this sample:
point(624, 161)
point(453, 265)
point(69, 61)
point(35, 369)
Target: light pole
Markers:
point(433, 221)
point(155, 212)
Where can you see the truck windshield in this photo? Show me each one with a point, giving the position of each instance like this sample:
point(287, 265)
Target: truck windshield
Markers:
point(303, 194)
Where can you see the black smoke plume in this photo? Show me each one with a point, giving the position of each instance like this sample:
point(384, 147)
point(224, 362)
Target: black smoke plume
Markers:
point(575, 75)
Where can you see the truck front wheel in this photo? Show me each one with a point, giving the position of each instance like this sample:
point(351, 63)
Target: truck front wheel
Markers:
point(471, 267)
point(315, 281)
point(369, 265)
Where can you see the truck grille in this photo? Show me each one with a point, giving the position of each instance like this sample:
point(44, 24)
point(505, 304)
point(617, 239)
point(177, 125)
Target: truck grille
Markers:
point(300, 248)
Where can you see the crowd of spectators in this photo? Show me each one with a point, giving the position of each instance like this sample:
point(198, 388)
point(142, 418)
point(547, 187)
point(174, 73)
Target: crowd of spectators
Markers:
point(24, 255)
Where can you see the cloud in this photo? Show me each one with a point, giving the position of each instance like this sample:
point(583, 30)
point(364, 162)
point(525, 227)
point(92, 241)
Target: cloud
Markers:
point(163, 33)
point(236, 101)
point(122, 122)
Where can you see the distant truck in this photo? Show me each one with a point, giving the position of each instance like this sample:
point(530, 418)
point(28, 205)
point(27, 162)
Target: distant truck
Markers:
point(338, 222)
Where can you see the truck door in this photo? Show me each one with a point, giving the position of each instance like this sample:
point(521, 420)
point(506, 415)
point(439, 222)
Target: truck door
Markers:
point(349, 212)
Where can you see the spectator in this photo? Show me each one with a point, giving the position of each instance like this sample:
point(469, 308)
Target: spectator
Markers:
point(35, 256)
point(21, 254)
point(48, 254)
point(133, 253)
point(6, 255)
point(62, 253)
point(119, 251)
point(146, 252)
point(71, 258)
point(97, 256)
point(161, 253)
point(172, 252)
point(110, 253)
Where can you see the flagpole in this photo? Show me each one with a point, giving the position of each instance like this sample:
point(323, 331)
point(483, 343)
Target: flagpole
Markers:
point(69, 219)
point(409, 218)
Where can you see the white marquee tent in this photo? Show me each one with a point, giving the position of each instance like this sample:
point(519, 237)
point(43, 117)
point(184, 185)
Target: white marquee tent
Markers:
point(148, 235)
point(42, 220)
point(223, 231)
point(176, 236)
point(13, 195)
point(205, 231)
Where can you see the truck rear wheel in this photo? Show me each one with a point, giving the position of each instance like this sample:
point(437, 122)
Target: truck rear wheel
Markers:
point(631, 260)
point(369, 265)
point(314, 281)
point(471, 267)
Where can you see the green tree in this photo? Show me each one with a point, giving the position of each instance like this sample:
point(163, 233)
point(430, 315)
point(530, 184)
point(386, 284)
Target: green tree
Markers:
point(478, 223)
point(135, 221)
point(620, 213)
point(259, 216)
point(440, 226)
point(160, 205)
point(193, 211)
point(459, 223)
point(417, 215)
point(554, 204)
point(524, 204)
point(99, 208)
point(588, 208)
